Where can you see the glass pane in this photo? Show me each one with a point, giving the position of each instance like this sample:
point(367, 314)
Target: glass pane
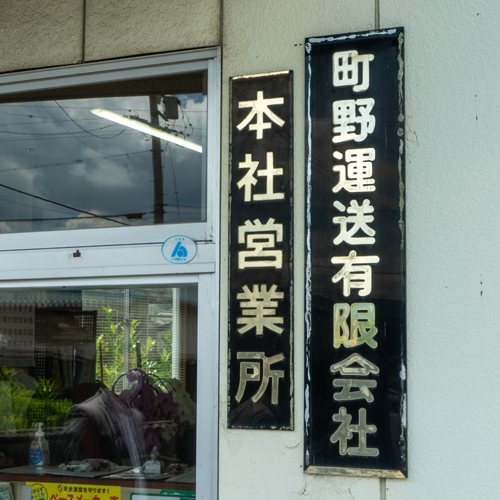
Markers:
point(113, 155)
point(111, 376)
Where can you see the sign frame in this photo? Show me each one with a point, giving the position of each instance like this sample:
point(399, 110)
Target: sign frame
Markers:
point(355, 317)
point(260, 337)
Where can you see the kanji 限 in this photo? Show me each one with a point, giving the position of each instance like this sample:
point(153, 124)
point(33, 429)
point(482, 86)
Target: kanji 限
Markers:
point(362, 328)
point(352, 120)
point(249, 180)
point(358, 221)
point(355, 273)
point(346, 70)
point(260, 108)
point(259, 309)
point(260, 240)
point(250, 372)
point(345, 432)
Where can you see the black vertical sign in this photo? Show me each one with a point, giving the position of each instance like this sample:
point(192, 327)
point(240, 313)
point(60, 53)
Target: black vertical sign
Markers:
point(260, 317)
point(355, 257)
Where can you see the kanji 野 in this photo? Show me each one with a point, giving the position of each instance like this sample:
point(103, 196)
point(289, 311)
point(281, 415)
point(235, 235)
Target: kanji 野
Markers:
point(352, 120)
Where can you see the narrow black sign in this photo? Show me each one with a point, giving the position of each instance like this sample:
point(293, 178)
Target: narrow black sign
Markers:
point(355, 259)
point(260, 323)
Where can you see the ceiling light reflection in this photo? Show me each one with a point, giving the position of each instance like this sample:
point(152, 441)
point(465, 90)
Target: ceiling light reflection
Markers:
point(147, 129)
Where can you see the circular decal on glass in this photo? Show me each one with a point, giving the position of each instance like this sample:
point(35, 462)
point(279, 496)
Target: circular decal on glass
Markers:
point(179, 249)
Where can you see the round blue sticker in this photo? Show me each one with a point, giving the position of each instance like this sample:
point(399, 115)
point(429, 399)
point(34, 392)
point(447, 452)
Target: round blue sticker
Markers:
point(179, 249)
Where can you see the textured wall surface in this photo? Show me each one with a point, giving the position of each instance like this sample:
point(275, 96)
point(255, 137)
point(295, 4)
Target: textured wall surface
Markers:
point(40, 33)
point(262, 36)
point(117, 28)
point(452, 235)
point(43, 33)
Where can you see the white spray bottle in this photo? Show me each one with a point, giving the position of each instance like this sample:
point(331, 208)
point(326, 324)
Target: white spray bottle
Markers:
point(39, 449)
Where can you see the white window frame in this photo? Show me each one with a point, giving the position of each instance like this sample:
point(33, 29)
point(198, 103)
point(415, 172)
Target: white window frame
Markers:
point(126, 69)
point(131, 256)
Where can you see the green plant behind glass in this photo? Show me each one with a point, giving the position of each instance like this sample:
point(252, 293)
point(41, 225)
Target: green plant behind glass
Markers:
point(22, 408)
point(156, 359)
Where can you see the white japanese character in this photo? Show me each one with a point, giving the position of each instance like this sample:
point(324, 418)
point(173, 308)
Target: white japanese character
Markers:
point(346, 73)
point(255, 375)
point(359, 221)
point(362, 329)
point(260, 108)
point(355, 366)
point(345, 430)
point(249, 180)
point(347, 384)
point(354, 273)
point(346, 119)
point(359, 171)
point(260, 237)
point(259, 309)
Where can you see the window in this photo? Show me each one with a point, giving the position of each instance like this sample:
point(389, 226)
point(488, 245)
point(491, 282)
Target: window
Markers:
point(101, 164)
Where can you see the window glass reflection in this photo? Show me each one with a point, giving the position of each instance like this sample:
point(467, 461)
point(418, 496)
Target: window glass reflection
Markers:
point(65, 164)
point(111, 376)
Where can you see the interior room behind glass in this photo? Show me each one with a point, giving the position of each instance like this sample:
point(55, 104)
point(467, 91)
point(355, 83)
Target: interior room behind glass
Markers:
point(110, 374)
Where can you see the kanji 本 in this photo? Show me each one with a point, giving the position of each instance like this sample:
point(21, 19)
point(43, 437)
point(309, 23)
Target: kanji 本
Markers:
point(355, 273)
point(250, 372)
point(249, 180)
point(346, 70)
point(352, 119)
point(358, 221)
point(259, 309)
point(345, 432)
point(358, 178)
point(260, 240)
point(260, 108)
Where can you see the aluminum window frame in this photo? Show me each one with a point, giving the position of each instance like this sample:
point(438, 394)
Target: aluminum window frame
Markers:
point(116, 70)
point(131, 256)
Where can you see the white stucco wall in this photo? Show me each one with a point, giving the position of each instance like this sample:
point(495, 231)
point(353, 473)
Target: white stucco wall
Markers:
point(452, 233)
point(40, 33)
point(262, 36)
point(44, 33)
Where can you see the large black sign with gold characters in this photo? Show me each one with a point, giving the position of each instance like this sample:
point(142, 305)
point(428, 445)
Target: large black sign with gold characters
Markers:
point(260, 264)
point(355, 408)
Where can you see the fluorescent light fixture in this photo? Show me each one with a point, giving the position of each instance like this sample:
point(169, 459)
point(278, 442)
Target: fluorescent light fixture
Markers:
point(147, 129)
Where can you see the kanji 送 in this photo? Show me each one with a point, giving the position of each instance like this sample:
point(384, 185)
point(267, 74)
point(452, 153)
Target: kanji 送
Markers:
point(358, 221)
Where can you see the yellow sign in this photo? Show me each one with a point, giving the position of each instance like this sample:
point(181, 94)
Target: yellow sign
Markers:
point(68, 491)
